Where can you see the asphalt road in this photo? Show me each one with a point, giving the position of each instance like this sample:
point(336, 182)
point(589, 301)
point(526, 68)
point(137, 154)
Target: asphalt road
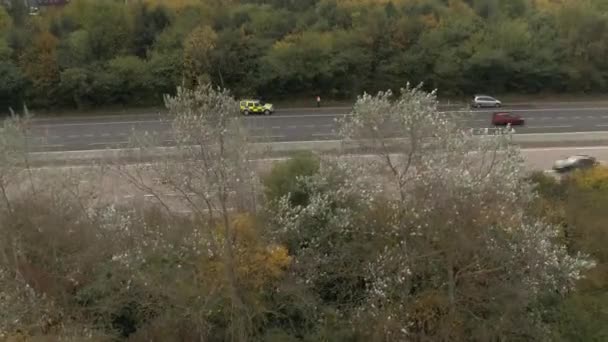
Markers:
point(96, 132)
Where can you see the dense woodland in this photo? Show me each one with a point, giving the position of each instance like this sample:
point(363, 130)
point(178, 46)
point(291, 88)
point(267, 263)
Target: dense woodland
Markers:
point(93, 53)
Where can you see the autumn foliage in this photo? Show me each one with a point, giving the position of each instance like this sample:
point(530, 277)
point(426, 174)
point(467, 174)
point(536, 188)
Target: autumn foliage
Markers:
point(81, 55)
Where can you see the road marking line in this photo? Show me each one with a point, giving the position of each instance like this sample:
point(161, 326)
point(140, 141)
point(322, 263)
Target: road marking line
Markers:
point(276, 127)
point(324, 135)
point(109, 143)
point(602, 125)
point(580, 148)
point(72, 136)
point(105, 135)
point(98, 123)
point(309, 126)
point(89, 135)
point(292, 127)
point(562, 126)
point(268, 136)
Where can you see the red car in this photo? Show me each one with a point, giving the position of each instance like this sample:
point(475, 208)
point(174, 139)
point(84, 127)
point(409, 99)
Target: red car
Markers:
point(506, 118)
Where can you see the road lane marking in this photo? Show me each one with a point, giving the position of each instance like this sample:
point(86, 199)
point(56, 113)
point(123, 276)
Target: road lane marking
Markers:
point(109, 143)
point(89, 135)
point(556, 126)
point(162, 122)
point(601, 125)
point(105, 135)
point(72, 136)
point(53, 145)
point(579, 148)
point(268, 136)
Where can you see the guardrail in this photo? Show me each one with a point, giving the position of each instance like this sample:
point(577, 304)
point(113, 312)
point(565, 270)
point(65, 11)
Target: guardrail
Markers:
point(285, 148)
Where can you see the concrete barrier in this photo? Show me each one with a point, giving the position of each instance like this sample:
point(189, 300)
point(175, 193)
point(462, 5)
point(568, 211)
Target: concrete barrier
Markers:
point(279, 149)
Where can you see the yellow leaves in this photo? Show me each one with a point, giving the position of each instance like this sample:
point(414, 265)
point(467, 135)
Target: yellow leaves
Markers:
point(592, 179)
point(257, 264)
point(197, 51)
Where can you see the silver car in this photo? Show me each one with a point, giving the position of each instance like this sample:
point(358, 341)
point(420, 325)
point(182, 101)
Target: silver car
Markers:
point(480, 101)
point(576, 162)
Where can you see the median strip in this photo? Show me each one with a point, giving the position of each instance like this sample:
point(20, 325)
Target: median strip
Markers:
point(278, 149)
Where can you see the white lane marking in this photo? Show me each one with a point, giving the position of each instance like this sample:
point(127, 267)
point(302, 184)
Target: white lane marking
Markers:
point(89, 135)
point(72, 136)
point(602, 125)
point(105, 135)
point(576, 117)
point(557, 126)
point(53, 145)
point(580, 148)
point(292, 127)
point(268, 136)
point(540, 110)
point(276, 127)
point(309, 126)
point(109, 143)
point(76, 124)
point(324, 135)
point(328, 126)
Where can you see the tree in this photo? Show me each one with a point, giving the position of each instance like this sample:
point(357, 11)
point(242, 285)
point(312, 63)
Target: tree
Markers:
point(576, 204)
point(134, 76)
point(285, 179)
point(197, 54)
point(214, 178)
point(148, 23)
point(75, 85)
point(12, 87)
point(39, 64)
point(446, 251)
point(109, 30)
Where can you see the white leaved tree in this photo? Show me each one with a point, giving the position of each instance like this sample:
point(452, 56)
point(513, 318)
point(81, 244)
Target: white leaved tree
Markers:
point(211, 176)
point(451, 253)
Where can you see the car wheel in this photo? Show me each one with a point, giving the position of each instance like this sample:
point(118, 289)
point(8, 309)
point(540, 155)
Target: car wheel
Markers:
point(246, 112)
point(266, 112)
point(497, 105)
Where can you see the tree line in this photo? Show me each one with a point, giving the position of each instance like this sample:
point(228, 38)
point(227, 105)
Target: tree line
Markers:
point(93, 53)
point(441, 236)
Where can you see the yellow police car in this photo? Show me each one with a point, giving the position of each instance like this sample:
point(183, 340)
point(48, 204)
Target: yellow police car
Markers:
point(256, 107)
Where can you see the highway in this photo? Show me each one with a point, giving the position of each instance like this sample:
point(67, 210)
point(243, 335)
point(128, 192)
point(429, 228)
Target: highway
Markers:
point(112, 187)
point(97, 132)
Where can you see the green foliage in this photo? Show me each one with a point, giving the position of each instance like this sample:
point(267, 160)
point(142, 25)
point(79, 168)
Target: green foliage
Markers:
point(12, 86)
point(285, 178)
point(578, 204)
point(338, 49)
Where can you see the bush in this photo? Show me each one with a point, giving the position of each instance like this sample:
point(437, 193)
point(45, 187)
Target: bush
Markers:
point(285, 178)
